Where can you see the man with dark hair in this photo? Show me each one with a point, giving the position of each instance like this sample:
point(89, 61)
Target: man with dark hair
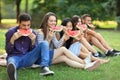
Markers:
point(96, 38)
point(21, 49)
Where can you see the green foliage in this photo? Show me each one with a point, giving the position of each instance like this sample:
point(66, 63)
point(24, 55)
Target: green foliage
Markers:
point(105, 24)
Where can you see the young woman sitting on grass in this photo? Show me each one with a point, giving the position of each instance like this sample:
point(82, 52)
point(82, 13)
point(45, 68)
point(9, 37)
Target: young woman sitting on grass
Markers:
point(74, 45)
point(61, 54)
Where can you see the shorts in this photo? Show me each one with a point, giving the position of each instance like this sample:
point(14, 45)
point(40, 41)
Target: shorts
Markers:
point(75, 48)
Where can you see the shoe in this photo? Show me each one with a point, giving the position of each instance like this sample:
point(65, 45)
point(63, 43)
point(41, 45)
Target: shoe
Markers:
point(99, 55)
point(11, 71)
point(92, 66)
point(35, 66)
point(45, 72)
point(88, 58)
point(110, 53)
point(115, 51)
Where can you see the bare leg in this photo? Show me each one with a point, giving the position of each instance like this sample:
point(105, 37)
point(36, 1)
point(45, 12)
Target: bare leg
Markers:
point(103, 42)
point(98, 44)
point(100, 38)
point(84, 49)
point(87, 45)
point(83, 55)
point(68, 62)
point(3, 62)
point(63, 51)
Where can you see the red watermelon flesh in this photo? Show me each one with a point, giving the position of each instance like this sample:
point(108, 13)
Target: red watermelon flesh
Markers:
point(73, 33)
point(82, 26)
point(25, 32)
point(56, 28)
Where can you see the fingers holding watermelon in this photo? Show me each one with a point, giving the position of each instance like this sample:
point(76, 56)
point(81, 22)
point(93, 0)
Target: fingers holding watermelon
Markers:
point(82, 26)
point(75, 34)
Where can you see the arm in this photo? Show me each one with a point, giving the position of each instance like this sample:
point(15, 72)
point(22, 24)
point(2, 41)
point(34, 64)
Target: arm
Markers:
point(58, 43)
point(11, 36)
point(32, 36)
point(40, 37)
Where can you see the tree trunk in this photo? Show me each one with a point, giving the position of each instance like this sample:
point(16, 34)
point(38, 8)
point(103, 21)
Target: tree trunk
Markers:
point(26, 6)
point(0, 13)
point(118, 13)
point(18, 8)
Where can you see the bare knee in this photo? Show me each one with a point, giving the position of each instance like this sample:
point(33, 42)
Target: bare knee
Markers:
point(63, 48)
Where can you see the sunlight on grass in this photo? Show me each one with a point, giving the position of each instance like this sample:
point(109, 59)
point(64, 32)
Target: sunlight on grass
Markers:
point(9, 21)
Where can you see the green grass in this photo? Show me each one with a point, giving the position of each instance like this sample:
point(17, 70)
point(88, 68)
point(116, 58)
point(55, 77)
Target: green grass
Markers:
point(109, 71)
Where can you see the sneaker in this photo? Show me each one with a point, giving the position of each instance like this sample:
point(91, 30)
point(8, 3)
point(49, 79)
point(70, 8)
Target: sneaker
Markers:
point(115, 51)
point(110, 53)
point(88, 58)
point(45, 71)
point(35, 66)
point(99, 55)
point(92, 66)
point(11, 71)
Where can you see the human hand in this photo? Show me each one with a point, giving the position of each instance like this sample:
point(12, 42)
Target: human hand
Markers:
point(15, 36)
point(66, 37)
point(25, 32)
point(32, 36)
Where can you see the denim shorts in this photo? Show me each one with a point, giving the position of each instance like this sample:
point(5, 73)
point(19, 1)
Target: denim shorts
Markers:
point(75, 48)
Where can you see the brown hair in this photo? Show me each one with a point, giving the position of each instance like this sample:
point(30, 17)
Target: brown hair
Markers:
point(44, 24)
point(85, 15)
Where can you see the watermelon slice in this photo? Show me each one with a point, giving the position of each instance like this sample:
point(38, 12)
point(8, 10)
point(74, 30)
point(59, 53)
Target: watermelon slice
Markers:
point(91, 26)
point(25, 32)
point(56, 28)
point(82, 26)
point(73, 33)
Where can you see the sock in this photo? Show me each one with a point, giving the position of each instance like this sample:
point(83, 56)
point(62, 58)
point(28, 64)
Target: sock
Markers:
point(96, 54)
point(106, 52)
point(111, 49)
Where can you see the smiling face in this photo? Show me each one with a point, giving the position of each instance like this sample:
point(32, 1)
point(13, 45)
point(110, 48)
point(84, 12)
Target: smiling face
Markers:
point(69, 25)
point(87, 20)
point(52, 21)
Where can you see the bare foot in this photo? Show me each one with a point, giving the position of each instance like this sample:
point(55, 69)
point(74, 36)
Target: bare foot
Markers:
point(104, 61)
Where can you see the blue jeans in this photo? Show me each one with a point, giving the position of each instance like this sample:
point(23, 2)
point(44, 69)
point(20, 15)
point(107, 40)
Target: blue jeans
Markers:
point(39, 54)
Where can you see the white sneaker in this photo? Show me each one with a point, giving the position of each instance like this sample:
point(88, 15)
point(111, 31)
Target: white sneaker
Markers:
point(46, 71)
point(93, 65)
point(35, 66)
point(118, 53)
point(88, 58)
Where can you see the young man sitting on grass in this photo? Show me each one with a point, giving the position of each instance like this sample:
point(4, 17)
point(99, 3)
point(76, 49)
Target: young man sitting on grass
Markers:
point(21, 49)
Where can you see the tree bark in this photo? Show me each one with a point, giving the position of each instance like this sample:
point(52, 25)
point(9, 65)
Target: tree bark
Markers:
point(26, 6)
point(0, 13)
point(118, 13)
point(18, 8)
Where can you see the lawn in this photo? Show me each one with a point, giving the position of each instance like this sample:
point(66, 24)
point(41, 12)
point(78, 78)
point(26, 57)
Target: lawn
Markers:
point(109, 71)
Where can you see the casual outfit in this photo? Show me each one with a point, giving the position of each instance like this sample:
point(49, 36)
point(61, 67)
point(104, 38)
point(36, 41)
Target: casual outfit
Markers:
point(23, 53)
point(75, 48)
point(52, 45)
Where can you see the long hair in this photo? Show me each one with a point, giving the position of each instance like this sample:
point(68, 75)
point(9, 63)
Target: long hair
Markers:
point(75, 20)
point(64, 23)
point(44, 24)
